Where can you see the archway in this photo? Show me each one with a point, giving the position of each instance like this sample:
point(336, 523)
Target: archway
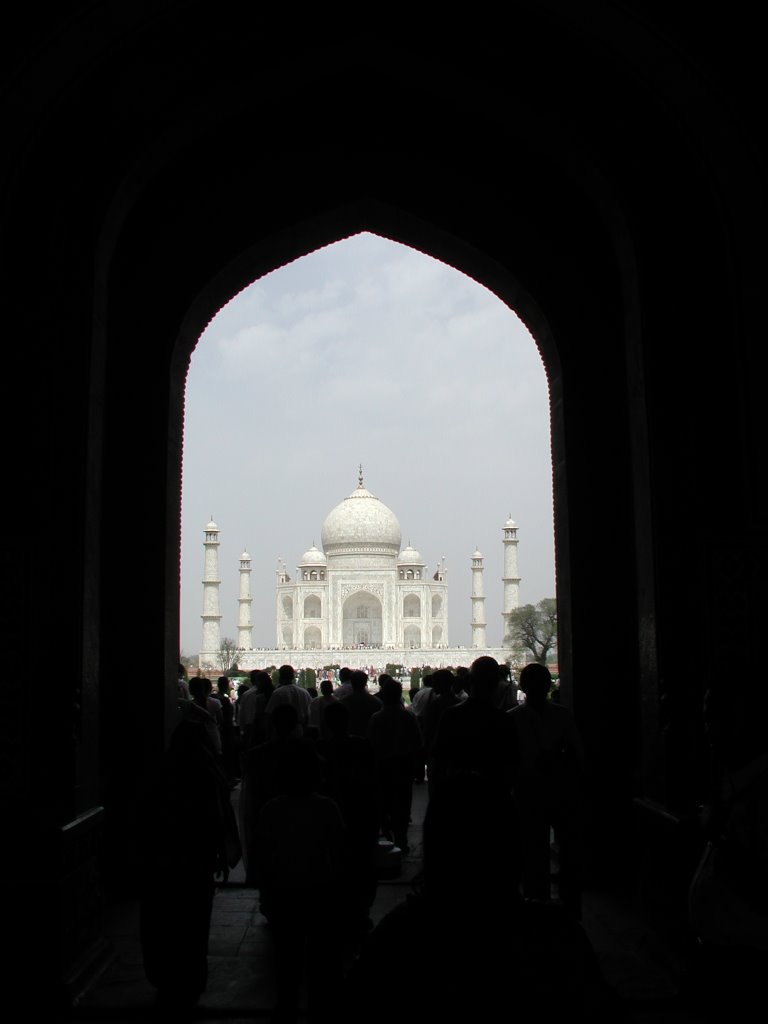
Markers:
point(412, 636)
point(362, 620)
point(393, 224)
point(313, 638)
point(429, 385)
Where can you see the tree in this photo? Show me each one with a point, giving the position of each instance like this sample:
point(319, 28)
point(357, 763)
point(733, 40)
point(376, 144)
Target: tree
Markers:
point(307, 678)
point(227, 654)
point(534, 628)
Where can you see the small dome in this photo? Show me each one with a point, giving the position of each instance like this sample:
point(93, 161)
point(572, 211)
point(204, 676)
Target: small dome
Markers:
point(313, 557)
point(410, 556)
point(478, 554)
point(245, 557)
point(510, 524)
point(211, 527)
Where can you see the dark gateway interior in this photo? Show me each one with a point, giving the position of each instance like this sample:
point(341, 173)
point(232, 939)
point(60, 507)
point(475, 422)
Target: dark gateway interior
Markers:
point(600, 167)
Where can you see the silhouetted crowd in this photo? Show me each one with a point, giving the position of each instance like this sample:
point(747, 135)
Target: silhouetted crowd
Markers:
point(325, 800)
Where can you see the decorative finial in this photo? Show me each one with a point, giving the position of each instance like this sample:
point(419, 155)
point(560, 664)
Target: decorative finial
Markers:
point(360, 475)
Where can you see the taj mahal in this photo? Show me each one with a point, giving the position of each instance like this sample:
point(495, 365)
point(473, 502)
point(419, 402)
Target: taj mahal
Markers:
point(359, 600)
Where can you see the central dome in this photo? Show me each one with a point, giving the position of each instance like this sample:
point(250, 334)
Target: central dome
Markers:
point(361, 523)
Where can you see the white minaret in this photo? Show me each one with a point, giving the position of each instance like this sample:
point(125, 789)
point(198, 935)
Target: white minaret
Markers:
point(244, 626)
point(511, 580)
point(211, 583)
point(478, 602)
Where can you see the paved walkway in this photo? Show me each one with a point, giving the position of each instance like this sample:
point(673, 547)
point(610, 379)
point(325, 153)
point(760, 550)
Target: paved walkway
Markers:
point(240, 986)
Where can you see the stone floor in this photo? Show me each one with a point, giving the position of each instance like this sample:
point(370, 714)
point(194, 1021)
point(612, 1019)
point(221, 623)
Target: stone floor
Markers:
point(641, 969)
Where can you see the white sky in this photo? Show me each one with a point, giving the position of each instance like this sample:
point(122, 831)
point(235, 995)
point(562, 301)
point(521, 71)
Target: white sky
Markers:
point(365, 351)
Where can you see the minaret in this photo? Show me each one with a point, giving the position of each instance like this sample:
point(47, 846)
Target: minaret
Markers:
point(244, 627)
point(511, 580)
point(211, 583)
point(280, 619)
point(478, 602)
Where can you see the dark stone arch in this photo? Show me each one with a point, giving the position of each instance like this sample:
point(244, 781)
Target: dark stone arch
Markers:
point(578, 283)
point(395, 224)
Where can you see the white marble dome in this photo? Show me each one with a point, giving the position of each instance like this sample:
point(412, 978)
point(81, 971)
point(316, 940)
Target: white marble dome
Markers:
point(361, 523)
point(410, 556)
point(313, 557)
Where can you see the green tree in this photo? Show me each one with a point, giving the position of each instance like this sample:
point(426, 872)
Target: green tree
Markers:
point(307, 678)
point(534, 628)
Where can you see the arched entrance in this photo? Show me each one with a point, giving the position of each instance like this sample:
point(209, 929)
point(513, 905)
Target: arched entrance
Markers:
point(361, 620)
point(587, 427)
point(268, 254)
point(578, 300)
point(313, 638)
point(418, 607)
point(412, 636)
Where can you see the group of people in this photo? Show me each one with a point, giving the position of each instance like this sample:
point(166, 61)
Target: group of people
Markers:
point(324, 778)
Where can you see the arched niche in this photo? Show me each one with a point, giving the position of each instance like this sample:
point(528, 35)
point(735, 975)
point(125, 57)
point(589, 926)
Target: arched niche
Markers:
point(361, 620)
point(412, 636)
point(313, 638)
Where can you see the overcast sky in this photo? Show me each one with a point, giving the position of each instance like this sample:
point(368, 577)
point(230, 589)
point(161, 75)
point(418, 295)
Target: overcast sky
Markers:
point(366, 352)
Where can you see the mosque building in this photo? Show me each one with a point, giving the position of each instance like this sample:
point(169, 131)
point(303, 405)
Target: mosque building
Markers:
point(361, 593)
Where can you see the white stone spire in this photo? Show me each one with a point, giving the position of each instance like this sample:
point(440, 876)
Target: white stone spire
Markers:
point(478, 603)
point(511, 579)
point(244, 625)
point(211, 583)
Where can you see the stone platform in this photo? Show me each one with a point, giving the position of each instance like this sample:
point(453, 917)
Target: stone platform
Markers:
point(364, 657)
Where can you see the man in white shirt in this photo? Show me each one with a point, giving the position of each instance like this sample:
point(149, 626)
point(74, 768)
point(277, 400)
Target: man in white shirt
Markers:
point(288, 692)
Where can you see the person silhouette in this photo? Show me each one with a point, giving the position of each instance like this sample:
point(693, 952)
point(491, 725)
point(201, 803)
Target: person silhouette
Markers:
point(484, 951)
point(548, 786)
